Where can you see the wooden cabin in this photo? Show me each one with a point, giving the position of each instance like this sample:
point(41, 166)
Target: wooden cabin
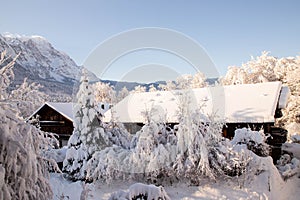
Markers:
point(58, 118)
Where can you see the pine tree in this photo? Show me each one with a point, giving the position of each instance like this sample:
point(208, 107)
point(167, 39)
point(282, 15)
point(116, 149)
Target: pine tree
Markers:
point(88, 135)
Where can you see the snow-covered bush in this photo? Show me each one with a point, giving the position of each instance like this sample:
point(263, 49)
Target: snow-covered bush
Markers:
point(255, 141)
point(141, 191)
point(228, 160)
point(58, 155)
point(117, 134)
point(288, 166)
point(23, 170)
point(202, 151)
point(146, 158)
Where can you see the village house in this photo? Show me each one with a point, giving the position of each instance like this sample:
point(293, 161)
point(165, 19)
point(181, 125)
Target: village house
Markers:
point(58, 118)
point(254, 106)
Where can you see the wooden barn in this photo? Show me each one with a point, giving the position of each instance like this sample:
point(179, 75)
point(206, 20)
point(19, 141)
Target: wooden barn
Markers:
point(58, 118)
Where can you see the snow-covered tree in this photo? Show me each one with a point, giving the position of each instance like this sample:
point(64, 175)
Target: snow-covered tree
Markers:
point(23, 169)
point(170, 85)
point(117, 135)
point(199, 80)
point(88, 135)
point(192, 151)
point(122, 94)
point(235, 75)
point(201, 149)
point(184, 81)
point(6, 73)
point(139, 89)
point(158, 154)
point(152, 88)
point(104, 92)
point(28, 97)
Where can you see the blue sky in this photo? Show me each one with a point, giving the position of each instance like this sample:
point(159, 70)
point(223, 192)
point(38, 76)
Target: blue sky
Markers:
point(229, 31)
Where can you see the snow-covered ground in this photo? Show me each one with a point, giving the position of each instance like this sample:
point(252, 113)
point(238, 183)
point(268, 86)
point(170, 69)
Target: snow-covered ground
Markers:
point(289, 189)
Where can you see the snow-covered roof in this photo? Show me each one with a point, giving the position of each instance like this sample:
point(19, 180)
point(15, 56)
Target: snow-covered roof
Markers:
point(234, 103)
point(66, 109)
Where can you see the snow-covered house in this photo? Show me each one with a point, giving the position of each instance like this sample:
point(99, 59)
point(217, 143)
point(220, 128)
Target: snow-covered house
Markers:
point(247, 105)
point(58, 118)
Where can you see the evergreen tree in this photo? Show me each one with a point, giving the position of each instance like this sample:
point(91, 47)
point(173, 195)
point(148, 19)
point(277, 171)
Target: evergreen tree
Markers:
point(88, 135)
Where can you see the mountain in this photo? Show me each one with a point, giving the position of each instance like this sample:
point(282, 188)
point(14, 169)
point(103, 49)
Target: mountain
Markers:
point(41, 62)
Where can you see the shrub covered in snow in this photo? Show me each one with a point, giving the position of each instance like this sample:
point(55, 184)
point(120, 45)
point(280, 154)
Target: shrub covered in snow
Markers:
point(146, 157)
point(254, 140)
point(141, 191)
point(58, 155)
point(288, 166)
point(116, 134)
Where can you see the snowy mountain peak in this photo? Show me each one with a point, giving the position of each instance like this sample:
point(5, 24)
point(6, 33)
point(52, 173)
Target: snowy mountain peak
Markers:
point(40, 62)
point(39, 58)
point(22, 37)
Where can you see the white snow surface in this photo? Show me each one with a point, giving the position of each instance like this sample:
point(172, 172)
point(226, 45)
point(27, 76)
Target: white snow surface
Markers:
point(225, 190)
point(234, 103)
